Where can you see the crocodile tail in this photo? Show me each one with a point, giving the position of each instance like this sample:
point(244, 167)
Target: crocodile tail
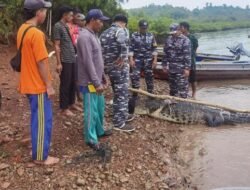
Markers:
point(236, 117)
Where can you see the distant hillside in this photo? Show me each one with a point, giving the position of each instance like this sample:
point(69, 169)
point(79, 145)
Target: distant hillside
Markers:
point(209, 18)
point(208, 13)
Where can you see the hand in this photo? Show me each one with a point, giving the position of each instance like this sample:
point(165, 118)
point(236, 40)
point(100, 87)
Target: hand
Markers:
point(99, 89)
point(119, 62)
point(132, 63)
point(105, 86)
point(50, 92)
point(154, 64)
point(105, 82)
point(186, 73)
point(165, 69)
point(59, 68)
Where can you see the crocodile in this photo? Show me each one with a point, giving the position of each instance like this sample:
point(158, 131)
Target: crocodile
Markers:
point(185, 112)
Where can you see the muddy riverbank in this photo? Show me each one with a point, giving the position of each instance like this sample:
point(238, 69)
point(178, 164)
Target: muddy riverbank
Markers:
point(145, 159)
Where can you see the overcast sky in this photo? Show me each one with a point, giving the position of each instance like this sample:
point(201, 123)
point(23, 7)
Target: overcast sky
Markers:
point(190, 4)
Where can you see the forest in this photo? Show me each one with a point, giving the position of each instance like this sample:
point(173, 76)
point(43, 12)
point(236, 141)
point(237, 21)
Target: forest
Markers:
point(209, 18)
point(11, 12)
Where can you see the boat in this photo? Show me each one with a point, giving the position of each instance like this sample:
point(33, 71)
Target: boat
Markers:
point(214, 66)
point(216, 70)
point(216, 57)
point(207, 56)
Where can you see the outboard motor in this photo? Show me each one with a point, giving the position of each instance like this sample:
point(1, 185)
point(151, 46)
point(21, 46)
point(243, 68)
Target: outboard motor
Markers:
point(238, 50)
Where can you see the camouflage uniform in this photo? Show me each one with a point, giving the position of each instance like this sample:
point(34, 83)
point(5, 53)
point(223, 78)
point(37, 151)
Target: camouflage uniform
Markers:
point(114, 43)
point(143, 48)
point(177, 58)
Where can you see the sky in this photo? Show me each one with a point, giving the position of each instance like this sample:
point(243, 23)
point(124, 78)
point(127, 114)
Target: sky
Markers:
point(190, 4)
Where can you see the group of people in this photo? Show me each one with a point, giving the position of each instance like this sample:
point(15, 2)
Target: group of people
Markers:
point(84, 60)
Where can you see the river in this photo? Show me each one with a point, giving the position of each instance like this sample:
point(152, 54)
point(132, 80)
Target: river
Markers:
point(220, 157)
point(217, 42)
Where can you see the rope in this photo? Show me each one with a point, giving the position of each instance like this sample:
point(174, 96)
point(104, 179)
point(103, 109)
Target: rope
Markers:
point(186, 100)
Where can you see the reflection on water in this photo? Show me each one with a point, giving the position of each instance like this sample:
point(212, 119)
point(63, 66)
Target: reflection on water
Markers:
point(226, 160)
point(222, 155)
point(231, 93)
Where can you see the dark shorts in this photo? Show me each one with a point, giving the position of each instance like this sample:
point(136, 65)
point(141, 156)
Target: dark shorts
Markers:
point(192, 76)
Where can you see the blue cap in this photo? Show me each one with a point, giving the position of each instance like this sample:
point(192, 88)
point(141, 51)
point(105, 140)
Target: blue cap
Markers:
point(143, 24)
point(174, 28)
point(96, 14)
point(36, 4)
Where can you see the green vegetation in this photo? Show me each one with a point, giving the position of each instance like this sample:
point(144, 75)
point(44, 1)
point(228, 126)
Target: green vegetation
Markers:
point(11, 14)
point(210, 18)
point(10, 10)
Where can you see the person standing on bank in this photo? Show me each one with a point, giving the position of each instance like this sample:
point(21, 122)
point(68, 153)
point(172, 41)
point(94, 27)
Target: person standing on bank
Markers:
point(185, 29)
point(143, 56)
point(115, 45)
point(91, 78)
point(177, 61)
point(35, 79)
point(66, 60)
point(77, 24)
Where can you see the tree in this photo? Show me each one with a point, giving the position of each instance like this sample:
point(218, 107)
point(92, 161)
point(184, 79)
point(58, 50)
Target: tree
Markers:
point(13, 10)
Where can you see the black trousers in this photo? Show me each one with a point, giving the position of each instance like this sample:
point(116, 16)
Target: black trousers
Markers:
point(67, 85)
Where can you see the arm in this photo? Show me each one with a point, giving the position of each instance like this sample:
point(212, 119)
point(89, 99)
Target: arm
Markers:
point(131, 51)
point(57, 39)
point(165, 56)
point(58, 56)
point(44, 73)
point(122, 38)
point(187, 56)
point(41, 57)
point(154, 52)
point(196, 44)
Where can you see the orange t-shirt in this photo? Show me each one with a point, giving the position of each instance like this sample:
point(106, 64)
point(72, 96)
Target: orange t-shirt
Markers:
point(33, 51)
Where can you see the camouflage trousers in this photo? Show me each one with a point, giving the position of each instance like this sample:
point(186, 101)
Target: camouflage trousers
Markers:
point(145, 66)
point(178, 85)
point(119, 78)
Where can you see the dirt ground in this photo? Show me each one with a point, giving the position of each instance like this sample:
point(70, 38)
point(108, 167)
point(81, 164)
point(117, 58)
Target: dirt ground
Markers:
point(146, 159)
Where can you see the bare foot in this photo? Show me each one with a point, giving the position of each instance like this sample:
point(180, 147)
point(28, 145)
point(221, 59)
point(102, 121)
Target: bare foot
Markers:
point(30, 165)
point(5, 140)
point(50, 161)
point(67, 112)
point(79, 103)
point(75, 107)
point(26, 141)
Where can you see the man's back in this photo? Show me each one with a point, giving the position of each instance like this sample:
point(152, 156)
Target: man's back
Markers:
point(33, 51)
point(143, 44)
point(177, 53)
point(89, 58)
point(114, 43)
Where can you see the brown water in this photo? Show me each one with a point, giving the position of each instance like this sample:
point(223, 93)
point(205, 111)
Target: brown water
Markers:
point(221, 156)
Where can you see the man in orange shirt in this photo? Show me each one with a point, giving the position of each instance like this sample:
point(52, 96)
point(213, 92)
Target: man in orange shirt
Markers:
point(35, 80)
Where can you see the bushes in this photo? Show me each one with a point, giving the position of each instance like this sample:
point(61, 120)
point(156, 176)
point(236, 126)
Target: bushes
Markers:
point(9, 19)
point(11, 15)
point(211, 18)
